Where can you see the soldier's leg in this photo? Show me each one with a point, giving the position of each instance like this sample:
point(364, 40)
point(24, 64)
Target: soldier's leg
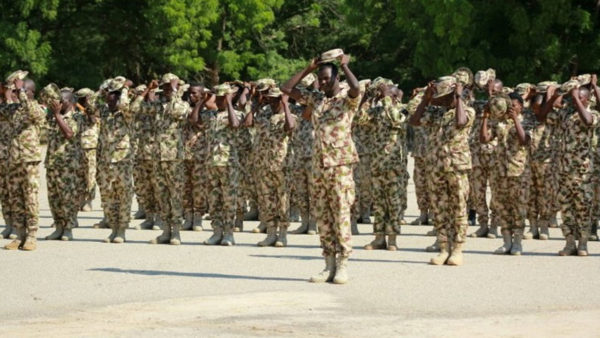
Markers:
point(419, 178)
point(199, 192)
point(324, 218)
point(440, 201)
point(55, 201)
point(282, 194)
point(229, 179)
point(30, 191)
point(5, 200)
point(458, 184)
point(395, 192)
point(582, 202)
point(300, 198)
point(478, 199)
point(188, 194)
point(503, 212)
point(89, 178)
point(17, 177)
point(215, 205)
point(517, 220)
point(102, 179)
point(267, 207)
point(568, 190)
point(378, 180)
point(366, 197)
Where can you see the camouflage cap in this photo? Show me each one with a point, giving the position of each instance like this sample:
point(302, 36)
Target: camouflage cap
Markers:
point(84, 92)
point(331, 55)
point(265, 84)
point(19, 74)
point(223, 89)
point(274, 92)
point(67, 89)
point(50, 93)
point(566, 87)
point(584, 79)
point(542, 87)
point(524, 88)
point(167, 78)
point(116, 84)
point(482, 77)
point(140, 89)
point(499, 105)
point(507, 90)
point(308, 80)
point(444, 85)
point(379, 81)
point(364, 85)
point(464, 76)
point(105, 84)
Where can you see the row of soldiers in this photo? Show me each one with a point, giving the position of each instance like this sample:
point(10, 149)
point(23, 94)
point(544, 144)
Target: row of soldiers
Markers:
point(535, 147)
point(187, 150)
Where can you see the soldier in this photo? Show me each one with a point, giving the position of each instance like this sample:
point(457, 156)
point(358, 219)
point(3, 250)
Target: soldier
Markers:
point(222, 163)
point(27, 118)
point(301, 179)
point(5, 141)
point(511, 158)
point(576, 122)
point(363, 139)
point(115, 157)
point(596, 165)
point(331, 111)
point(64, 159)
point(95, 104)
point(420, 172)
point(195, 203)
point(89, 144)
point(387, 162)
point(169, 112)
point(449, 119)
point(273, 126)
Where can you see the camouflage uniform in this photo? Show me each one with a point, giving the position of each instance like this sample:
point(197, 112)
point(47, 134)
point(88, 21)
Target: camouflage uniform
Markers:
point(334, 155)
point(420, 172)
point(169, 117)
point(247, 186)
point(5, 140)
point(270, 152)
point(575, 165)
point(510, 161)
point(89, 144)
point(24, 159)
point(301, 175)
point(115, 156)
point(222, 168)
point(144, 168)
point(451, 162)
point(194, 193)
point(387, 164)
point(64, 159)
point(363, 139)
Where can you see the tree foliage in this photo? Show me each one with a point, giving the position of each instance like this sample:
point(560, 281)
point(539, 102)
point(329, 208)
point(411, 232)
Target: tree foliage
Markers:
point(79, 43)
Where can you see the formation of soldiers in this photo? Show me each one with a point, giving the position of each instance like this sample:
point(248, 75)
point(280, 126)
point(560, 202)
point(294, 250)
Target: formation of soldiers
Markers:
point(332, 152)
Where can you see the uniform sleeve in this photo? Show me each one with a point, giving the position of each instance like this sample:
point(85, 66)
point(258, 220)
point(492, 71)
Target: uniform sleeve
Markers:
point(124, 104)
point(178, 109)
point(35, 113)
point(393, 113)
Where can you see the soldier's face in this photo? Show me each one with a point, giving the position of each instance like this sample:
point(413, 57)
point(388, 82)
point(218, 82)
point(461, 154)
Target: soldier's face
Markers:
point(516, 106)
point(326, 81)
point(195, 94)
point(167, 90)
point(112, 99)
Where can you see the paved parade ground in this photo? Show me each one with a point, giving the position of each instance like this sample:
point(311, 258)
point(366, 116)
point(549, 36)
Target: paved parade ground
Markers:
point(89, 288)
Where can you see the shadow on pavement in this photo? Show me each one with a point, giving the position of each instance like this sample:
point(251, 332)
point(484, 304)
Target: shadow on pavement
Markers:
point(195, 274)
point(306, 258)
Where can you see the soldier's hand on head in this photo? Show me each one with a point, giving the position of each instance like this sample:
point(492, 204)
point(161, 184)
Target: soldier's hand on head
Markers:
point(284, 98)
point(55, 106)
point(344, 59)
point(490, 87)
point(153, 84)
point(18, 83)
point(314, 64)
point(458, 90)
point(594, 80)
point(174, 84)
point(574, 93)
point(429, 91)
point(128, 83)
point(228, 97)
point(511, 113)
point(551, 91)
point(486, 111)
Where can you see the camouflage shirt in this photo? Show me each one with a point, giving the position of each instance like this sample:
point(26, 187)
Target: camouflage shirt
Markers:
point(26, 122)
point(63, 152)
point(6, 111)
point(511, 156)
point(448, 144)
point(89, 131)
point(221, 139)
point(388, 134)
point(271, 141)
point(576, 147)
point(303, 140)
point(116, 132)
point(169, 117)
point(144, 133)
point(332, 122)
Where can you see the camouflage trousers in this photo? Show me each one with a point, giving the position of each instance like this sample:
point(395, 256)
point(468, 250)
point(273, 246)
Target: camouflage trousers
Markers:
point(89, 170)
point(449, 194)
point(4, 190)
point(247, 191)
point(479, 178)
point(388, 191)
point(116, 191)
point(301, 187)
point(541, 192)
point(223, 185)
point(510, 199)
point(23, 190)
point(555, 183)
point(194, 187)
point(334, 197)
point(64, 185)
point(595, 181)
point(420, 180)
point(362, 181)
point(168, 184)
point(143, 175)
point(273, 198)
point(575, 197)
